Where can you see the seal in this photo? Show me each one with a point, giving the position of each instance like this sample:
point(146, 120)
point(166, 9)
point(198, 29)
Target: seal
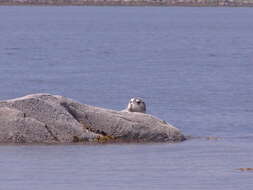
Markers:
point(136, 105)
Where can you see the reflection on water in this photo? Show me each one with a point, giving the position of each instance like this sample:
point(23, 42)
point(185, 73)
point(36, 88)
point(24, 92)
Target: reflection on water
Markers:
point(196, 164)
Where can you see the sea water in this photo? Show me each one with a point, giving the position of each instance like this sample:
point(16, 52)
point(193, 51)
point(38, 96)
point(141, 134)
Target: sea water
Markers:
point(192, 66)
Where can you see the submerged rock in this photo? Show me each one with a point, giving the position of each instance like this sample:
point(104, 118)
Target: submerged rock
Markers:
point(45, 118)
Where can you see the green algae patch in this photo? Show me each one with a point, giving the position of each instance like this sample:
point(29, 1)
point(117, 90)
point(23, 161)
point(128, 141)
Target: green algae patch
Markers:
point(105, 139)
point(246, 169)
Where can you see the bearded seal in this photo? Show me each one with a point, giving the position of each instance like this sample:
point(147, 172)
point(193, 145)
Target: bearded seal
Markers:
point(136, 105)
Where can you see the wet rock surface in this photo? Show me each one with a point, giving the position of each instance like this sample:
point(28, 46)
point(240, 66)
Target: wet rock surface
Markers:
point(53, 119)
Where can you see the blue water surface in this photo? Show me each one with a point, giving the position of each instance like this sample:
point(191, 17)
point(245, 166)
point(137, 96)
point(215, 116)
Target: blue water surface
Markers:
point(192, 66)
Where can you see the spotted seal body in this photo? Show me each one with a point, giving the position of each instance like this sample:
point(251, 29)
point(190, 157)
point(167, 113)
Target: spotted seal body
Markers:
point(136, 105)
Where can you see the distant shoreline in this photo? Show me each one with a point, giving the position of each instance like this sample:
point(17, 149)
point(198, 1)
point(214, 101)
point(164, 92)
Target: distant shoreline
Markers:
point(189, 3)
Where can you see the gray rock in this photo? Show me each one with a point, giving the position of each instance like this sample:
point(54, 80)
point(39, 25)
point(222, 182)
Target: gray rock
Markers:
point(45, 118)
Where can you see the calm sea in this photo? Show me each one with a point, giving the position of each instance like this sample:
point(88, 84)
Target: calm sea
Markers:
point(192, 66)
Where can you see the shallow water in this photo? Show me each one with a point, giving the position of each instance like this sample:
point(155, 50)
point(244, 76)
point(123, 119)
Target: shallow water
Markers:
point(193, 67)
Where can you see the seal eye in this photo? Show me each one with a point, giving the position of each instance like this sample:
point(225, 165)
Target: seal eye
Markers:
point(138, 101)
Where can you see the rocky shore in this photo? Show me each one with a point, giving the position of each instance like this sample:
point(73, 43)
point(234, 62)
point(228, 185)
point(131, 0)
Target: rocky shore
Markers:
point(232, 3)
point(53, 119)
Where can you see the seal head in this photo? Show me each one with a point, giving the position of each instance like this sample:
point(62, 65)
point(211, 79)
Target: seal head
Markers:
point(136, 105)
